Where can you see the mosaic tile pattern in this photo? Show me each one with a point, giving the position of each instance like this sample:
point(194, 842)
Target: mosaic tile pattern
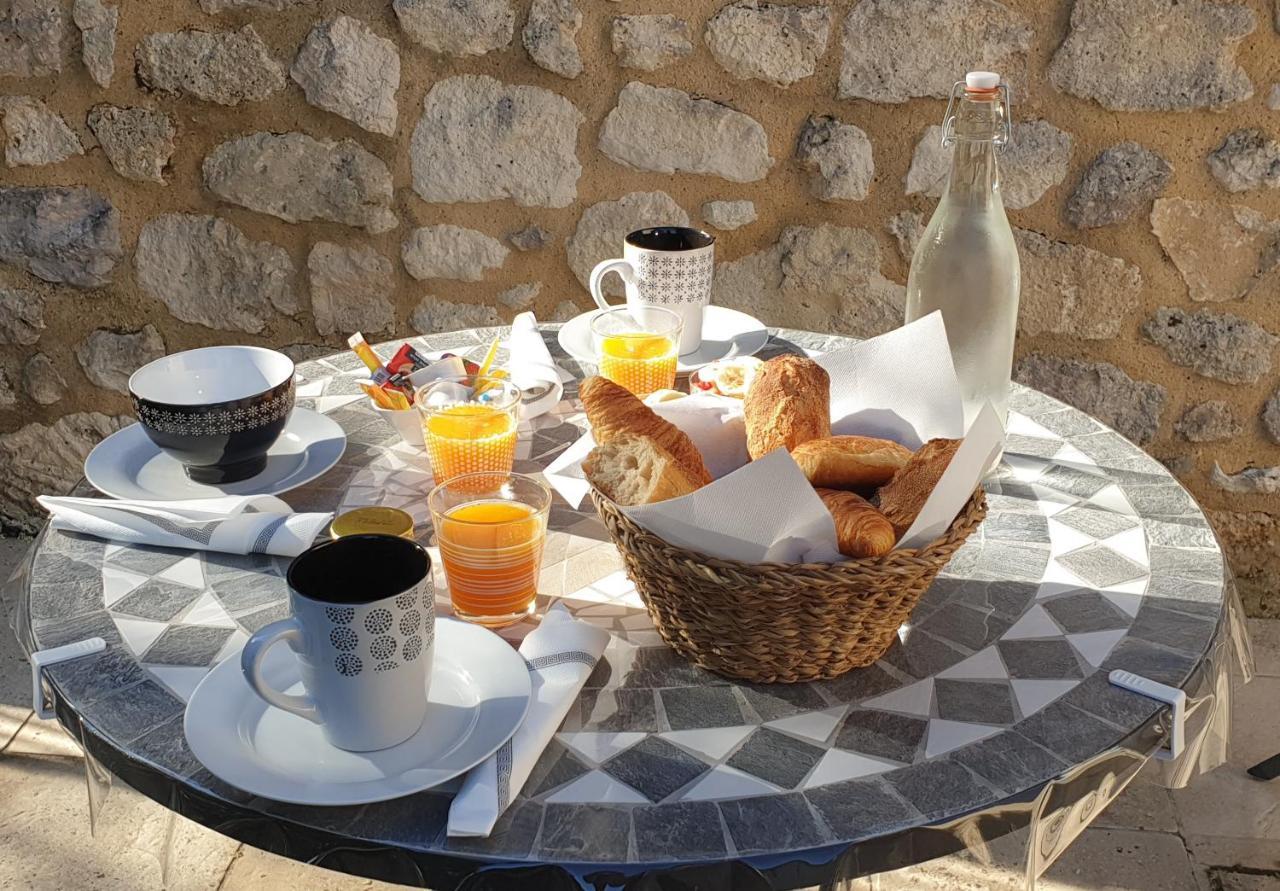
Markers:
point(1091, 558)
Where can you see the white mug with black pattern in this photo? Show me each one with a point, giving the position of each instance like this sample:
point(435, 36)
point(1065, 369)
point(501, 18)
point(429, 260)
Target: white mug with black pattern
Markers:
point(362, 629)
point(667, 266)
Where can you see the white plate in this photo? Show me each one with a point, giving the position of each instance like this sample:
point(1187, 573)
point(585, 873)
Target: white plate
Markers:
point(478, 698)
point(129, 465)
point(725, 332)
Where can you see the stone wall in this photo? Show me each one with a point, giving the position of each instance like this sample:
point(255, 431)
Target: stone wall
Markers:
point(286, 171)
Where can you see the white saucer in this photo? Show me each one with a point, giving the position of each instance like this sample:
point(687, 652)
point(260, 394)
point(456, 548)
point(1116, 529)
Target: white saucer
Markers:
point(129, 465)
point(725, 332)
point(479, 696)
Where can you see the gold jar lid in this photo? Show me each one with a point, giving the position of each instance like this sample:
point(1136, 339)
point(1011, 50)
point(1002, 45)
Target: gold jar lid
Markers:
point(372, 521)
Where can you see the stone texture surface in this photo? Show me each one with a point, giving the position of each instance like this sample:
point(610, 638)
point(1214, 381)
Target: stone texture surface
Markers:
point(42, 381)
point(602, 227)
point(763, 41)
point(1208, 422)
point(1221, 346)
point(462, 27)
point(729, 214)
point(346, 68)
point(1252, 540)
point(97, 25)
point(208, 272)
point(8, 398)
point(826, 276)
point(297, 178)
point(1270, 417)
point(213, 7)
point(433, 315)
point(1183, 57)
point(137, 141)
point(40, 459)
point(1249, 481)
point(1247, 159)
point(451, 252)
point(482, 140)
point(31, 37)
point(1035, 162)
point(895, 50)
point(35, 134)
point(520, 297)
point(1222, 251)
point(839, 158)
point(226, 67)
point(1073, 290)
point(698, 135)
point(1117, 185)
point(60, 234)
point(550, 36)
point(1130, 406)
point(530, 238)
point(649, 42)
point(109, 357)
point(21, 316)
point(350, 289)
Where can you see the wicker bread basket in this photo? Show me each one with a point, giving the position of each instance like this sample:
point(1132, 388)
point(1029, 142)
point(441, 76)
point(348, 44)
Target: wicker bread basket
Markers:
point(775, 622)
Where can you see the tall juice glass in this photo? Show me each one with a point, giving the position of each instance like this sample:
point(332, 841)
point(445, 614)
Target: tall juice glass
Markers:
point(469, 425)
point(490, 528)
point(636, 347)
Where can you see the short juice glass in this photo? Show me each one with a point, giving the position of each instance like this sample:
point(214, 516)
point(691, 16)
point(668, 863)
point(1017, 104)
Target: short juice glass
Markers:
point(636, 347)
point(469, 425)
point(491, 528)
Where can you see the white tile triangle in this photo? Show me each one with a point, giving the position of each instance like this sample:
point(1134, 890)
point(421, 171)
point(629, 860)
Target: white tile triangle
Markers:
point(714, 742)
point(139, 634)
point(725, 782)
point(1095, 646)
point(208, 611)
point(599, 747)
point(916, 699)
point(188, 571)
point(1025, 467)
point(1035, 695)
point(596, 787)
point(1078, 460)
point(116, 583)
point(1063, 539)
point(180, 679)
point(1048, 498)
point(839, 765)
point(235, 643)
point(1053, 589)
point(1112, 499)
point(816, 726)
point(1035, 622)
point(947, 735)
point(326, 404)
point(1024, 426)
point(1132, 543)
point(1133, 586)
point(984, 664)
point(309, 390)
point(1130, 603)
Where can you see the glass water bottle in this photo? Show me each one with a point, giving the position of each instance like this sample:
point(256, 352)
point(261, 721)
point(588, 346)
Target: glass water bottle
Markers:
point(966, 262)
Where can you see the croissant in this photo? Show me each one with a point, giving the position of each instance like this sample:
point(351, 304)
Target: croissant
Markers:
point(861, 530)
point(613, 411)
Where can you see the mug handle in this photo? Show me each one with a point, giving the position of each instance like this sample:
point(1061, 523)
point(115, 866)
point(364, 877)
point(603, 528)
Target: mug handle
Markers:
point(603, 268)
point(251, 664)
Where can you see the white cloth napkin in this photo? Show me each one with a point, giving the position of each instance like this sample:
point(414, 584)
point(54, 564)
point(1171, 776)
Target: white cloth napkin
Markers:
point(530, 361)
point(254, 524)
point(561, 653)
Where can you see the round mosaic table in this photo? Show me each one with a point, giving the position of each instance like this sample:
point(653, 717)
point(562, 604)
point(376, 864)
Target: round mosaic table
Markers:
point(991, 715)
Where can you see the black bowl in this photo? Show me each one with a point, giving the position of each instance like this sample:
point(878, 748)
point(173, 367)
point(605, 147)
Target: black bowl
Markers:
point(217, 410)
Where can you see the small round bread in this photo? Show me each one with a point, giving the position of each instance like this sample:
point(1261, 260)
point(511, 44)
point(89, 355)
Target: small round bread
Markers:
point(633, 470)
point(850, 462)
point(789, 402)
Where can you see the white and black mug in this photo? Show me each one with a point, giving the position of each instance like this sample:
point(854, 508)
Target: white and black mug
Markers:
point(667, 266)
point(363, 629)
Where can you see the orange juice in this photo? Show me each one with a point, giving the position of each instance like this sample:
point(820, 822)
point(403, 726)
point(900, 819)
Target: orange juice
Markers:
point(641, 363)
point(469, 438)
point(492, 551)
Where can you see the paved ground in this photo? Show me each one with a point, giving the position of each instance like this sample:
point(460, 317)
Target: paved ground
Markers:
point(1221, 834)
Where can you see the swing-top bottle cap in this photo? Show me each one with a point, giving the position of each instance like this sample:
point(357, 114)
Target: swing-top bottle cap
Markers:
point(981, 80)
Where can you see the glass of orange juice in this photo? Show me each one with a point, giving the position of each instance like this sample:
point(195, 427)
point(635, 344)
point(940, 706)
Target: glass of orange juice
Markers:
point(490, 528)
point(636, 347)
point(469, 424)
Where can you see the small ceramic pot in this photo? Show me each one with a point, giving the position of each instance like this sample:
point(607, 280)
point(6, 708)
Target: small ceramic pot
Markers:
point(217, 410)
point(408, 423)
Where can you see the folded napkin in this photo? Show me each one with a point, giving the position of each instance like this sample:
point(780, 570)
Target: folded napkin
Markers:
point(561, 653)
point(233, 524)
point(530, 361)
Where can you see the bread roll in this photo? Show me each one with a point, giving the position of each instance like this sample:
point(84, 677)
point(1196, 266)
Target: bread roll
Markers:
point(789, 402)
point(861, 530)
point(850, 462)
point(635, 470)
point(903, 496)
point(613, 411)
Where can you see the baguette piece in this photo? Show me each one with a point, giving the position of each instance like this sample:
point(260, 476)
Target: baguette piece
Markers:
point(633, 470)
point(850, 462)
point(613, 411)
point(903, 496)
point(861, 530)
point(789, 402)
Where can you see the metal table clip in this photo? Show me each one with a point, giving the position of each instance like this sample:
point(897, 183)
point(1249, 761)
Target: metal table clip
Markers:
point(42, 658)
point(1176, 699)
